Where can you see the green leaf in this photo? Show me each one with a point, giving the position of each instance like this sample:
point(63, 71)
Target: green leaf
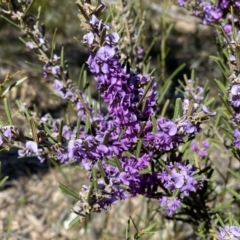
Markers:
point(125, 187)
point(139, 147)
point(8, 112)
point(149, 228)
point(74, 221)
point(236, 175)
point(3, 180)
point(222, 87)
point(68, 191)
point(177, 109)
point(222, 207)
point(145, 171)
point(103, 174)
point(234, 193)
point(220, 220)
point(209, 101)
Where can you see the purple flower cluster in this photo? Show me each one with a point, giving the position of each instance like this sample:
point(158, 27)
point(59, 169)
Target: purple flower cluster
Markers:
point(177, 178)
point(215, 13)
point(202, 149)
point(120, 150)
point(234, 99)
point(229, 232)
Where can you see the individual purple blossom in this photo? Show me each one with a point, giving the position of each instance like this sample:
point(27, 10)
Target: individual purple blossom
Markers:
point(88, 38)
point(56, 70)
point(161, 141)
point(29, 149)
point(30, 45)
point(200, 149)
point(234, 95)
point(180, 178)
point(62, 155)
point(229, 232)
point(182, 2)
point(78, 152)
point(170, 205)
point(8, 132)
point(194, 146)
point(1, 140)
point(98, 24)
point(66, 132)
point(206, 110)
point(211, 13)
point(236, 136)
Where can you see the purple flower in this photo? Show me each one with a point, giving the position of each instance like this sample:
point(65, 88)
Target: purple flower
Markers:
point(112, 39)
point(182, 2)
point(170, 205)
point(56, 70)
point(235, 95)
point(201, 150)
point(8, 132)
point(105, 53)
point(98, 25)
point(236, 136)
point(58, 85)
point(194, 146)
point(62, 155)
point(206, 110)
point(30, 45)
point(1, 141)
point(88, 38)
point(229, 232)
point(30, 149)
point(181, 178)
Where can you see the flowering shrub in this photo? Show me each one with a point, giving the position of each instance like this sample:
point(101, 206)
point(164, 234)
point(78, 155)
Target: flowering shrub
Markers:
point(130, 149)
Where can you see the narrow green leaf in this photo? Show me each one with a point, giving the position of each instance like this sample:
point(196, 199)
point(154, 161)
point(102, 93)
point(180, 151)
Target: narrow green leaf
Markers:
point(118, 164)
point(139, 147)
point(34, 130)
point(53, 43)
point(220, 220)
point(150, 227)
point(2, 123)
point(80, 85)
point(234, 193)
point(127, 154)
point(221, 86)
point(62, 57)
point(103, 174)
point(177, 109)
point(110, 13)
point(125, 187)
point(236, 175)
point(3, 180)
point(29, 7)
point(145, 171)
point(154, 123)
point(209, 101)
point(229, 110)
point(74, 221)
point(68, 191)
point(8, 112)
point(95, 183)
point(60, 139)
